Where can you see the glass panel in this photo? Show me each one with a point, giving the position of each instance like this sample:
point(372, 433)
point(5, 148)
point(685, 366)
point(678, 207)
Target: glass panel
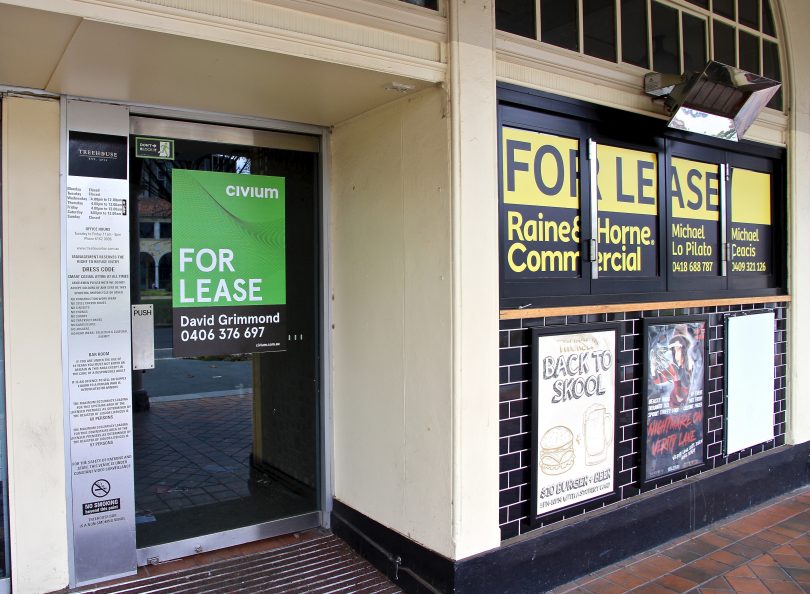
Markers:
point(634, 33)
point(516, 16)
point(725, 44)
point(559, 23)
point(4, 529)
point(600, 28)
point(224, 442)
point(146, 230)
point(724, 8)
point(694, 198)
point(694, 43)
point(771, 69)
point(627, 182)
point(701, 3)
point(768, 26)
point(749, 52)
point(434, 4)
point(541, 191)
point(749, 13)
point(666, 45)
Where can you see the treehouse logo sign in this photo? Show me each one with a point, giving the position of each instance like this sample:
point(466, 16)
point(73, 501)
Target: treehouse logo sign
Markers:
point(229, 289)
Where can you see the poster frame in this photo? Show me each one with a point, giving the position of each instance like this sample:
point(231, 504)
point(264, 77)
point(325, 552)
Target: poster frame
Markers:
point(726, 377)
point(682, 473)
point(537, 520)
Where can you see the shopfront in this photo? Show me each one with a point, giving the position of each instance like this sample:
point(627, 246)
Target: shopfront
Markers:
point(193, 280)
point(600, 209)
point(438, 278)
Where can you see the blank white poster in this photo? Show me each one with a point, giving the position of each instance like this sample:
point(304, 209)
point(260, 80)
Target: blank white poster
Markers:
point(749, 380)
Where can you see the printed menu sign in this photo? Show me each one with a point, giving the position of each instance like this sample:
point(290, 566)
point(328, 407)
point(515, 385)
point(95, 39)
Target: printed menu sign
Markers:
point(540, 190)
point(694, 195)
point(99, 355)
point(673, 396)
point(229, 290)
point(627, 182)
point(574, 398)
point(750, 230)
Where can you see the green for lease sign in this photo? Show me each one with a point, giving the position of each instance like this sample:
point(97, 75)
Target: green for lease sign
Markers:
point(229, 290)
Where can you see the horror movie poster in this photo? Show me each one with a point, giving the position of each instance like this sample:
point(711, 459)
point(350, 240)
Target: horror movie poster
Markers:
point(675, 352)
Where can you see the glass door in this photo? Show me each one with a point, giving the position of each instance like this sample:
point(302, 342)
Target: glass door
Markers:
point(227, 424)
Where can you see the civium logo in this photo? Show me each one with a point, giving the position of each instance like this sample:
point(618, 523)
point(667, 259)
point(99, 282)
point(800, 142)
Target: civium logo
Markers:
point(251, 192)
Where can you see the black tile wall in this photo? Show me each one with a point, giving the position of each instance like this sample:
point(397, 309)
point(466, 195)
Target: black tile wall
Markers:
point(516, 390)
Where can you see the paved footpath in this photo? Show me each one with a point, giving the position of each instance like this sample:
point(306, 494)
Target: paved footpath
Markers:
point(765, 549)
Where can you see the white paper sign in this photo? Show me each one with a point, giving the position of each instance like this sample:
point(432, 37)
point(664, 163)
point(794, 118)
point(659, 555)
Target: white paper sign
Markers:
point(575, 394)
point(99, 356)
point(749, 370)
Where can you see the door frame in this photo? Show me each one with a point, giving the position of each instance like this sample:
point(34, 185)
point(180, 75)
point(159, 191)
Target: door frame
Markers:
point(321, 517)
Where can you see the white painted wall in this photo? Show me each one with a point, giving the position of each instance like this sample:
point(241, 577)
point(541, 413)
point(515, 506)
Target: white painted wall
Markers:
point(392, 337)
point(474, 161)
point(33, 338)
point(796, 20)
point(415, 248)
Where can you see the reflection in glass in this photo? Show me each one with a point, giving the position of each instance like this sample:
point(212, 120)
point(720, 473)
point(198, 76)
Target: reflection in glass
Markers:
point(600, 28)
point(694, 43)
point(749, 52)
point(749, 13)
point(724, 8)
point(516, 16)
point(768, 26)
point(771, 69)
point(634, 33)
point(5, 546)
point(559, 23)
point(666, 45)
point(226, 441)
point(725, 45)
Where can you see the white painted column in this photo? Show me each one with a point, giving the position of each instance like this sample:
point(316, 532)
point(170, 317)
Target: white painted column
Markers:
point(475, 276)
point(33, 344)
point(796, 18)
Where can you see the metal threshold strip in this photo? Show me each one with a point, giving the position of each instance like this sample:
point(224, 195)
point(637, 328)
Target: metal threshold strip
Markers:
point(324, 564)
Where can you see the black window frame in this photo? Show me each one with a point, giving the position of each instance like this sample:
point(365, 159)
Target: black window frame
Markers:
point(530, 109)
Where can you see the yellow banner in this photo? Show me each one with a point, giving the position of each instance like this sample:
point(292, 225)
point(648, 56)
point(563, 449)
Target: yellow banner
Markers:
point(695, 190)
point(540, 169)
point(627, 180)
point(750, 197)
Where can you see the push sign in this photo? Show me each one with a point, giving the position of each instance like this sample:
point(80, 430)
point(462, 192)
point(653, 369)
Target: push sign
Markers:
point(143, 337)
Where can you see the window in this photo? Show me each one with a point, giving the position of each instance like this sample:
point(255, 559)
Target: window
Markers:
point(601, 206)
point(146, 230)
point(434, 4)
point(664, 35)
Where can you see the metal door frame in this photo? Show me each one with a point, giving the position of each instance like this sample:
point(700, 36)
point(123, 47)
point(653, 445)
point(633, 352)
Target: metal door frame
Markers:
point(321, 517)
point(258, 131)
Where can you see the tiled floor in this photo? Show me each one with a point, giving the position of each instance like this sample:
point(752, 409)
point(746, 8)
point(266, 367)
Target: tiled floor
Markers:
point(191, 452)
point(766, 549)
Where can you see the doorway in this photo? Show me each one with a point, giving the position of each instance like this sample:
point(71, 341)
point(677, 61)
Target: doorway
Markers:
point(227, 439)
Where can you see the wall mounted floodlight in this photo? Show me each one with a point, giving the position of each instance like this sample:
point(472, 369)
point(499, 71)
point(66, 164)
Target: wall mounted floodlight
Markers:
point(720, 101)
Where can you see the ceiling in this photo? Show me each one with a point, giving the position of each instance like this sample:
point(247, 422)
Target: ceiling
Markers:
point(70, 55)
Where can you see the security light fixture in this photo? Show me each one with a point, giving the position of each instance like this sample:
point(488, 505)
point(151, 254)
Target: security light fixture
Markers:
point(720, 101)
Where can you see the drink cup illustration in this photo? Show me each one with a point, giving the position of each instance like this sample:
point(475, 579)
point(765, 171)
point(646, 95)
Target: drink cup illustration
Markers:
point(597, 426)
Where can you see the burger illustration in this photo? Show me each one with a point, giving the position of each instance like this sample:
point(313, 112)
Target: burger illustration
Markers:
point(557, 450)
